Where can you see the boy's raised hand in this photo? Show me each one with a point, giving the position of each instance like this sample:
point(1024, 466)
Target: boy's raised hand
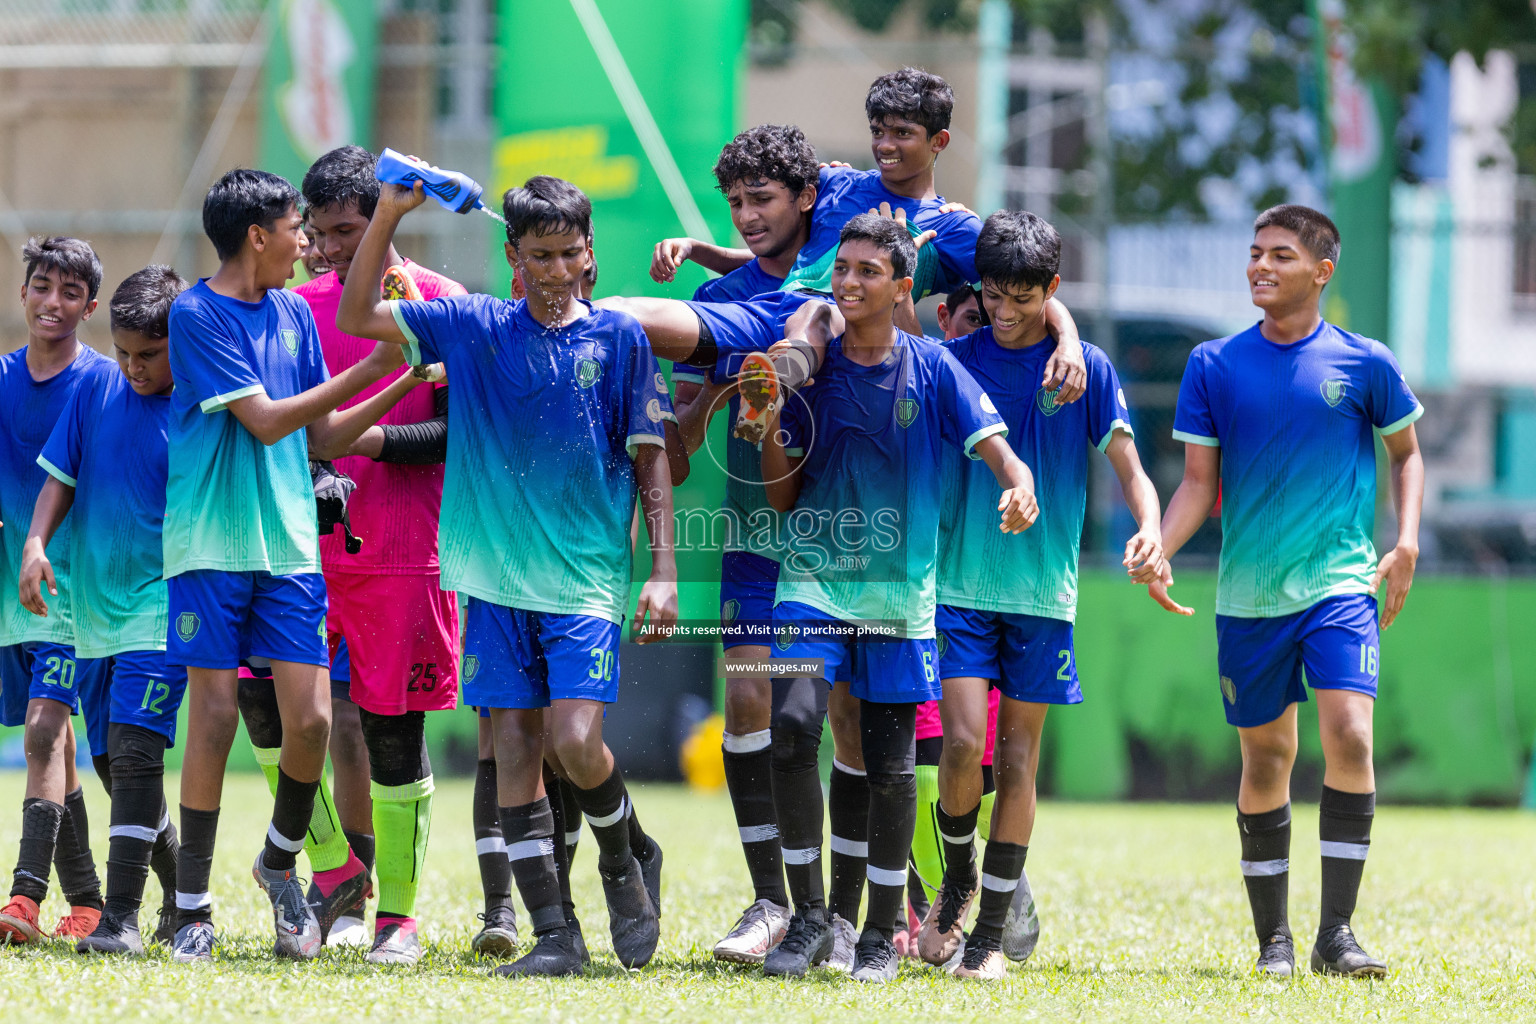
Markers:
point(398, 200)
point(899, 215)
point(668, 256)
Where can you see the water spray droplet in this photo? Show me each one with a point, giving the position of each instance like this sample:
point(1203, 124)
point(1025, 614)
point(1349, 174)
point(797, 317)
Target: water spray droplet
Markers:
point(498, 218)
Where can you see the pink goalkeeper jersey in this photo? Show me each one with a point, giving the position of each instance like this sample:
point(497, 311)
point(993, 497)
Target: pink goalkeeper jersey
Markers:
point(930, 726)
point(394, 509)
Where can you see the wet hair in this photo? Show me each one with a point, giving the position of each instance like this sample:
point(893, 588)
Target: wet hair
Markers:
point(343, 176)
point(891, 238)
point(776, 152)
point(142, 303)
point(239, 199)
point(1017, 249)
point(911, 94)
point(960, 296)
point(545, 205)
point(71, 257)
point(1317, 234)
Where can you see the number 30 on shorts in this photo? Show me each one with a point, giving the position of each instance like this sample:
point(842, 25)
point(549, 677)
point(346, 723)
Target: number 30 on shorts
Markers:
point(602, 666)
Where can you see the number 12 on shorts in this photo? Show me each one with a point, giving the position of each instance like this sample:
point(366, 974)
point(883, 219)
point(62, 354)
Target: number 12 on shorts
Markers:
point(1368, 660)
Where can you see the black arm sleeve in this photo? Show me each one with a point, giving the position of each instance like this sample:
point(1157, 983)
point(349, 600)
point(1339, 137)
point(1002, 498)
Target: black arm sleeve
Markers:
point(419, 444)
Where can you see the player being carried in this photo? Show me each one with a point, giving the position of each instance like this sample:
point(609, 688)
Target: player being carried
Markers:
point(42, 682)
point(853, 467)
point(1282, 418)
point(559, 422)
point(909, 113)
point(1006, 605)
point(106, 460)
point(242, 553)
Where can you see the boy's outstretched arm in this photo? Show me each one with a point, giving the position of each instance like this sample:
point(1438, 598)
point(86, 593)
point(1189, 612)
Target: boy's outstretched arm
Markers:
point(334, 436)
point(1144, 551)
point(1066, 368)
point(781, 471)
point(53, 504)
point(656, 611)
point(696, 405)
point(1188, 509)
point(361, 311)
point(1017, 505)
point(672, 253)
point(270, 420)
point(1397, 565)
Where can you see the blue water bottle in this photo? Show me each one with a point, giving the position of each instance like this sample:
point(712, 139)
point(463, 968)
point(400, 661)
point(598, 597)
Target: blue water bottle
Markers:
point(457, 192)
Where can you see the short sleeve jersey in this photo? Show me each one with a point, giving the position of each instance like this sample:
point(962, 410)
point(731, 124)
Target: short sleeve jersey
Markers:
point(861, 543)
point(1035, 572)
point(1298, 460)
point(110, 446)
point(28, 411)
point(234, 504)
point(844, 193)
point(539, 489)
point(395, 507)
point(745, 281)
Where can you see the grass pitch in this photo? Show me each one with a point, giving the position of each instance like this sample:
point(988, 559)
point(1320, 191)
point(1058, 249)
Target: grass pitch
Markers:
point(1142, 908)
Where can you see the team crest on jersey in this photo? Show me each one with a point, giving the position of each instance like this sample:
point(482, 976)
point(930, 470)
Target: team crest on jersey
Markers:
point(729, 611)
point(1046, 401)
point(186, 625)
point(787, 636)
point(1228, 690)
point(906, 411)
point(290, 340)
point(471, 667)
point(653, 410)
point(587, 372)
point(1333, 391)
point(661, 383)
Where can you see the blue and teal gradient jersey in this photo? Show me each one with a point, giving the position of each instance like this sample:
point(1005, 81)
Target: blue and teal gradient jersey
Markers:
point(1035, 572)
point(232, 503)
point(1298, 460)
point(745, 281)
point(110, 446)
point(861, 542)
point(28, 411)
point(844, 193)
point(539, 488)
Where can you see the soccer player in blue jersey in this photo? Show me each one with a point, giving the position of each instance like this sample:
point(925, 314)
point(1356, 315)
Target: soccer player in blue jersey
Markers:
point(106, 460)
point(560, 423)
point(241, 546)
point(1282, 418)
point(1006, 605)
point(852, 465)
point(909, 113)
point(41, 681)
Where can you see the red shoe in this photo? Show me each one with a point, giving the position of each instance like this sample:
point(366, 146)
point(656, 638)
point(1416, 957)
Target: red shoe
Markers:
point(18, 921)
point(77, 924)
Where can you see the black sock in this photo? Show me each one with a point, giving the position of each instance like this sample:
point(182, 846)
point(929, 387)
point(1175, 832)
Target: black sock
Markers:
point(490, 847)
point(72, 855)
point(887, 733)
point(606, 806)
point(1267, 868)
point(848, 812)
point(916, 895)
point(748, 768)
point(1001, 866)
point(138, 810)
point(363, 846)
point(199, 829)
point(1344, 828)
point(561, 820)
point(529, 831)
point(40, 820)
point(166, 849)
point(291, 810)
point(958, 834)
point(799, 710)
point(570, 810)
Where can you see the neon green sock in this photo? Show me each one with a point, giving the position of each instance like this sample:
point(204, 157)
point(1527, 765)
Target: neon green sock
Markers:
point(402, 818)
point(927, 846)
point(984, 816)
point(324, 842)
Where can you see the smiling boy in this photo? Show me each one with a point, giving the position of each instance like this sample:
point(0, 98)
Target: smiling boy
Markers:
point(1282, 418)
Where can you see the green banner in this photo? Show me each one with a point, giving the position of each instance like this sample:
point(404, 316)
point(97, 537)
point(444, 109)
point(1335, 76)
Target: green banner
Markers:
point(646, 96)
point(1358, 119)
point(318, 88)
